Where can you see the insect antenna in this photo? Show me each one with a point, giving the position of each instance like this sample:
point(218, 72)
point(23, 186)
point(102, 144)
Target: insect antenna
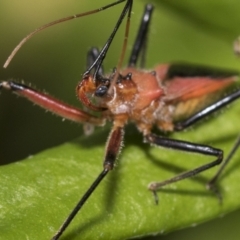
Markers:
point(116, 136)
point(30, 35)
point(98, 61)
point(92, 55)
point(127, 10)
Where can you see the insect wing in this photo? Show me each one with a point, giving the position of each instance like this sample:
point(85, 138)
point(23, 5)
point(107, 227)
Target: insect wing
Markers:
point(191, 88)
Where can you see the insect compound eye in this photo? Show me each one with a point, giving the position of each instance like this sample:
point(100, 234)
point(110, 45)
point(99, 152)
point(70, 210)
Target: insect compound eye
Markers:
point(101, 91)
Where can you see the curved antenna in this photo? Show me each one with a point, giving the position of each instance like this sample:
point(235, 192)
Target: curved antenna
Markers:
point(15, 50)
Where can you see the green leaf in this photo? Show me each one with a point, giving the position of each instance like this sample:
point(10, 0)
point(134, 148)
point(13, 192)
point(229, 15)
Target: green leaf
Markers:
point(38, 193)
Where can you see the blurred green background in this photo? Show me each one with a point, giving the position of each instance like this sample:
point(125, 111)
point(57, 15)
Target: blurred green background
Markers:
point(194, 31)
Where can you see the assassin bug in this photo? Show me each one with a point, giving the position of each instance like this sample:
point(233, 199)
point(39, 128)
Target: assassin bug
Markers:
point(145, 97)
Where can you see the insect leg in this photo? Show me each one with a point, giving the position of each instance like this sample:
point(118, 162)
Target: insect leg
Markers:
point(51, 104)
point(113, 147)
point(212, 183)
point(207, 111)
point(202, 114)
point(187, 147)
point(140, 43)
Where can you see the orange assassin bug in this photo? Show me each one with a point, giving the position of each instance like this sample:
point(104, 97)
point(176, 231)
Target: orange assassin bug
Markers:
point(166, 96)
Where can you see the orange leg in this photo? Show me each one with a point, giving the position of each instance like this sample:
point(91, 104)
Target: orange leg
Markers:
point(52, 104)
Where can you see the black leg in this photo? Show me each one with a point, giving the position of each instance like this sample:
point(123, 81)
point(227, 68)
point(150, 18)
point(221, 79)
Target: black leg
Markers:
point(212, 183)
point(179, 126)
point(80, 204)
point(113, 147)
point(140, 43)
point(206, 111)
point(187, 147)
